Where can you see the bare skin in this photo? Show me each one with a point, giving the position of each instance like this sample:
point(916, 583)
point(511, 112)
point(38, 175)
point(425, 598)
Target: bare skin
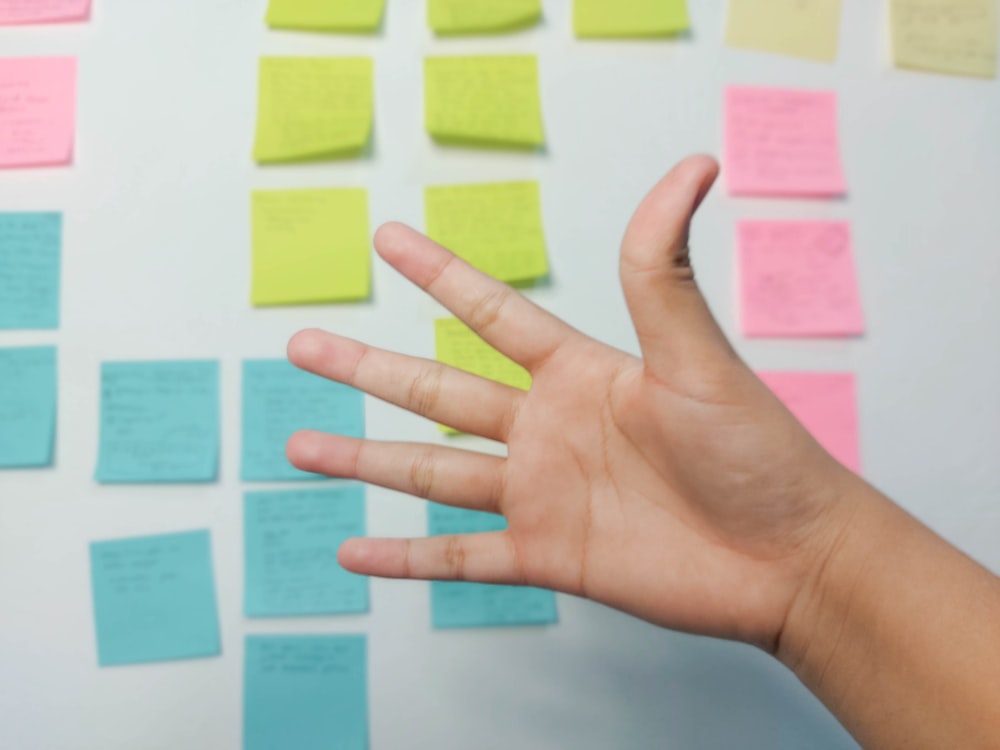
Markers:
point(674, 487)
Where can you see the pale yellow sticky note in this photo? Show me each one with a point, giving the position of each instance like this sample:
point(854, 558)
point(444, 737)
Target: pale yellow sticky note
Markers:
point(452, 17)
point(313, 108)
point(799, 28)
point(620, 19)
point(496, 226)
point(958, 37)
point(354, 16)
point(490, 101)
point(310, 246)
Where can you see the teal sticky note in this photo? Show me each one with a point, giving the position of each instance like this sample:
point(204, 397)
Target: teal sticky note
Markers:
point(458, 604)
point(27, 406)
point(307, 692)
point(159, 422)
point(290, 541)
point(154, 598)
point(278, 400)
point(30, 248)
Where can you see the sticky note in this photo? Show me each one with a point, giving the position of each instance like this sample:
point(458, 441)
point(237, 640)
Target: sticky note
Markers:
point(459, 604)
point(27, 406)
point(622, 19)
point(30, 248)
point(313, 108)
point(459, 347)
point(798, 28)
point(308, 692)
point(826, 405)
point(486, 101)
point(497, 227)
point(278, 400)
point(43, 11)
point(154, 598)
point(37, 111)
point(958, 37)
point(782, 142)
point(310, 246)
point(159, 422)
point(357, 16)
point(454, 17)
point(797, 278)
point(291, 539)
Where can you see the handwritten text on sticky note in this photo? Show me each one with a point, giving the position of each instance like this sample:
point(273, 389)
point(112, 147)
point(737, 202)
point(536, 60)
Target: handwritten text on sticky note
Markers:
point(27, 406)
point(945, 36)
point(37, 111)
point(30, 248)
point(800, 28)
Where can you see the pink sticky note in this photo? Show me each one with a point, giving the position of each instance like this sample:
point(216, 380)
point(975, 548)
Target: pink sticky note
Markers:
point(797, 278)
point(782, 142)
point(43, 11)
point(37, 111)
point(826, 404)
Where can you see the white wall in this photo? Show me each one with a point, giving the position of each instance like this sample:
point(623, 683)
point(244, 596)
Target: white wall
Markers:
point(156, 265)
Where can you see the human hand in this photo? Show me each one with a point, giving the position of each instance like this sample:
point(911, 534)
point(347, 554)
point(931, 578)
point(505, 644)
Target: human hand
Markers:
point(674, 487)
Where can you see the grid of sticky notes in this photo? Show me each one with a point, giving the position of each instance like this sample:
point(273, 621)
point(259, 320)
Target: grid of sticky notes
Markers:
point(30, 252)
point(456, 17)
point(623, 19)
point(37, 111)
point(27, 406)
point(799, 28)
point(357, 16)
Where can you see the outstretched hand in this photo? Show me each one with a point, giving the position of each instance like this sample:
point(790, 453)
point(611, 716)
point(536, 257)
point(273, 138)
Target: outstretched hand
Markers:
point(674, 487)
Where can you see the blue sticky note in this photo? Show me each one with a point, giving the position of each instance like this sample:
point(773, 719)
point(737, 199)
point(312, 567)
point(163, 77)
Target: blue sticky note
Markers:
point(307, 692)
point(154, 598)
point(278, 400)
point(30, 247)
point(159, 422)
point(27, 406)
point(458, 604)
point(291, 539)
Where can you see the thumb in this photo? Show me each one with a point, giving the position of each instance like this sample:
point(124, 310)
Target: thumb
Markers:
point(675, 327)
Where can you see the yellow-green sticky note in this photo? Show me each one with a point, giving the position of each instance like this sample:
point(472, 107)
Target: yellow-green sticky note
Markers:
point(488, 101)
point(310, 246)
point(353, 16)
point(455, 17)
point(623, 19)
point(799, 28)
point(495, 226)
point(957, 37)
point(313, 108)
point(459, 347)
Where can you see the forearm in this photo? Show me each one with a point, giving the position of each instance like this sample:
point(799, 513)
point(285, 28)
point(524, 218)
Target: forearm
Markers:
point(899, 634)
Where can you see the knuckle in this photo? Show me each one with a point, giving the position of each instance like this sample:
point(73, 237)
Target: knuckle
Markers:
point(422, 474)
point(487, 310)
point(425, 390)
point(454, 558)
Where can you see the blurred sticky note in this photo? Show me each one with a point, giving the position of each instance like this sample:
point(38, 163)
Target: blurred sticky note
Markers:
point(37, 111)
point(159, 422)
point(958, 37)
point(308, 692)
point(355, 16)
point(797, 278)
point(459, 347)
point(497, 227)
point(782, 142)
point(458, 604)
point(622, 19)
point(826, 405)
point(43, 11)
point(27, 406)
point(798, 28)
point(30, 248)
point(310, 246)
point(278, 400)
point(488, 101)
point(154, 598)
point(454, 17)
point(313, 108)
point(291, 539)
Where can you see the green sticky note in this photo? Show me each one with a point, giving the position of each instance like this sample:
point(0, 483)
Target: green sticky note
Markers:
point(313, 108)
point(310, 246)
point(454, 17)
point(497, 227)
point(354, 16)
point(27, 406)
point(622, 19)
point(486, 101)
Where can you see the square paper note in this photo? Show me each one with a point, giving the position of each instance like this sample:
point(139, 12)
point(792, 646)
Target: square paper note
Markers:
point(154, 598)
point(43, 11)
point(797, 278)
point(30, 246)
point(356, 16)
point(27, 406)
point(37, 111)
point(613, 19)
point(481, 16)
point(782, 142)
point(958, 37)
point(799, 28)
